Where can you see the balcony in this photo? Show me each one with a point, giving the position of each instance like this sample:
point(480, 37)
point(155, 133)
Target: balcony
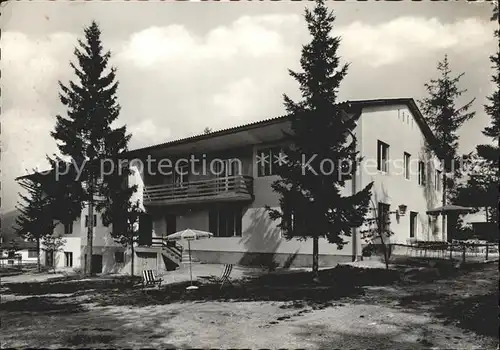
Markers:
point(231, 188)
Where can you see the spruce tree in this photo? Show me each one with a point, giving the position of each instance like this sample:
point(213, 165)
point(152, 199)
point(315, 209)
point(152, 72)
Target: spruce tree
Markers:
point(35, 221)
point(311, 203)
point(445, 119)
point(85, 134)
point(482, 185)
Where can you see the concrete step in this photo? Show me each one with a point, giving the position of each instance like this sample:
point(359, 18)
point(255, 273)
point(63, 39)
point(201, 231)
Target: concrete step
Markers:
point(185, 259)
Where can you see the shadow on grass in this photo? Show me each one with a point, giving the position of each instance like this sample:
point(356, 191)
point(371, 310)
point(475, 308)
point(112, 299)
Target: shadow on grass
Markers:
point(72, 284)
point(336, 283)
point(46, 305)
point(478, 313)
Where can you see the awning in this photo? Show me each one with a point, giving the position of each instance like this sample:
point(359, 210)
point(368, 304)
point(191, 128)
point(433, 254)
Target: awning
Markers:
point(450, 208)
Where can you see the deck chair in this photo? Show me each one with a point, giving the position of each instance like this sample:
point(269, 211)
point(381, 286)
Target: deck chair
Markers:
point(225, 276)
point(149, 279)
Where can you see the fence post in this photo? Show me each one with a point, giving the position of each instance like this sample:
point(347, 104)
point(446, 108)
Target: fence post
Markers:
point(463, 253)
point(487, 249)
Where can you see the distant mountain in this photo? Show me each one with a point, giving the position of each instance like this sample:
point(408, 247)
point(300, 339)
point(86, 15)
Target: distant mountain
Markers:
point(7, 231)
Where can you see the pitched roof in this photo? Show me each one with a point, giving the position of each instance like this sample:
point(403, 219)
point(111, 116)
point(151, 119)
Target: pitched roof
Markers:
point(356, 104)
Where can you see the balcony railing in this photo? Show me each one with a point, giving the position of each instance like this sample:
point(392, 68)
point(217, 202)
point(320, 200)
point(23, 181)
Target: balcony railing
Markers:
point(231, 188)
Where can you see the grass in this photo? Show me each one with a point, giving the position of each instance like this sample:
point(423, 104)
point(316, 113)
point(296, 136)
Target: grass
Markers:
point(349, 307)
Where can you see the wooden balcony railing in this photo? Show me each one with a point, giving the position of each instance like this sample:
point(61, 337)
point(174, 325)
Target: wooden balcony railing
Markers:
point(231, 188)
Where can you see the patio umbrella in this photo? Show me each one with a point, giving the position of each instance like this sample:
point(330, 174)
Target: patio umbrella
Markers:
point(450, 208)
point(189, 235)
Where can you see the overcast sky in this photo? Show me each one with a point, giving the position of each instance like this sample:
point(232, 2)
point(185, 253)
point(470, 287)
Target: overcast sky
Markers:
point(184, 66)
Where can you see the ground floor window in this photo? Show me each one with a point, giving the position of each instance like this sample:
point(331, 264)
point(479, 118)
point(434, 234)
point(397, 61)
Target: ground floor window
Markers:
point(32, 253)
point(68, 259)
point(119, 257)
point(225, 221)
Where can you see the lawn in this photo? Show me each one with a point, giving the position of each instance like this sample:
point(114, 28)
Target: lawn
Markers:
point(410, 308)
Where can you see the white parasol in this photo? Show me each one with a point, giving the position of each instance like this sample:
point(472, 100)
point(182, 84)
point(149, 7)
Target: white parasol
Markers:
point(189, 235)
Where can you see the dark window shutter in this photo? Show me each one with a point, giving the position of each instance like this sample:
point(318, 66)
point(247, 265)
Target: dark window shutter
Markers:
point(145, 230)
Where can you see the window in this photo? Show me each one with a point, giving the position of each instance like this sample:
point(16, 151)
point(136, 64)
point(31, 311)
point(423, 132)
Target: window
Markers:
point(439, 178)
point(413, 224)
point(382, 156)
point(119, 257)
point(407, 158)
point(87, 220)
point(268, 161)
point(68, 259)
point(225, 222)
point(383, 217)
point(421, 173)
point(68, 228)
point(32, 253)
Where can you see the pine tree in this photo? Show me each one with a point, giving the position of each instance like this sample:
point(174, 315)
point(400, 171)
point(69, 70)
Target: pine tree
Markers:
point(311, 204)
point(85, 134)
point(35, 221)
point(444, 119)
point(482, 185)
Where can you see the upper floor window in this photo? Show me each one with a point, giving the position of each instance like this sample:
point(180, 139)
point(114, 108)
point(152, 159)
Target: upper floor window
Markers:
point(382, 156)
point(439, 178)
point(407, 158)
point(68, 228)
point(268, 161)
point(421, 173)
point(87, 220)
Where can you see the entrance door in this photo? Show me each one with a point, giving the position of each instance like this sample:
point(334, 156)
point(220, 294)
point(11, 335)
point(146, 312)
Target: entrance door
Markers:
point(49, 258)
point(96, 263)
point(171, 221)
point(413, 224)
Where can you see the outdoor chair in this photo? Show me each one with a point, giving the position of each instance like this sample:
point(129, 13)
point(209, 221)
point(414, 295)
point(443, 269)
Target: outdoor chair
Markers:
point(225, 276)
point(149, 279)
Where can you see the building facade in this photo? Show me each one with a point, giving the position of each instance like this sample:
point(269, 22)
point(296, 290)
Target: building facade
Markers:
point(221, 183)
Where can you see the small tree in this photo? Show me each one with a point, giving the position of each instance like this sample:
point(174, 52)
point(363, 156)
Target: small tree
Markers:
point(53, 244)
point(481, 188)
point(207, 130)
point(13, 248)
point(378, 228)
point(127, 233)
point(35, 221)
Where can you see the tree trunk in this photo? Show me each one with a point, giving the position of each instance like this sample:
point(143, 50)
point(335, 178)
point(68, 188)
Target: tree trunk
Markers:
point(315, 259)
point(90, 230)
point(443, 217)
point(38, 265)
point(132, 260)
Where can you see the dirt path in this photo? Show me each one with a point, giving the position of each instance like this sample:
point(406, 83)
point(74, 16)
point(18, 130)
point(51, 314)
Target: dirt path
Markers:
point(402, 316)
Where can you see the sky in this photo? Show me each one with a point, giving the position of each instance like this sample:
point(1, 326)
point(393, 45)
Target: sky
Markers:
point(184, 66)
